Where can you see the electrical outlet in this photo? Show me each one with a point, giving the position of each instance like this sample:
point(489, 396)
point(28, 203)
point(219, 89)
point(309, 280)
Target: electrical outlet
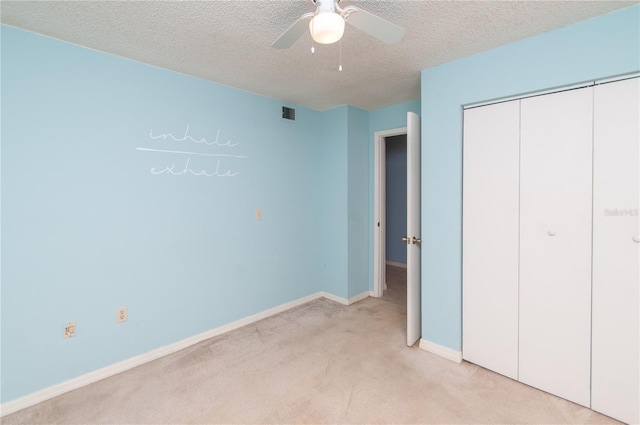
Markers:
point(122, 314)
point(70, 330)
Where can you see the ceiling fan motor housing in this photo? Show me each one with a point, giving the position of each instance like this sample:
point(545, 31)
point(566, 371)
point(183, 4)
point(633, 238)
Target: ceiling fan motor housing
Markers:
point(328, 21)
point(327, 26)
point(326, 5)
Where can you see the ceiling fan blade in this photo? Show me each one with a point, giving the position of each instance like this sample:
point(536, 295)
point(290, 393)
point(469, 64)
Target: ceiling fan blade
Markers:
point(295, 31)
point(375, 26)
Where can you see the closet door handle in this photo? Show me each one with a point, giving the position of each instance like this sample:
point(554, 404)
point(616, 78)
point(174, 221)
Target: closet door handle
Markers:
point(551, 233)
point(636, 238)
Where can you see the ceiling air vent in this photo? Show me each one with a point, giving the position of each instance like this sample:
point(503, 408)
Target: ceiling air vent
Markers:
point(288, 113)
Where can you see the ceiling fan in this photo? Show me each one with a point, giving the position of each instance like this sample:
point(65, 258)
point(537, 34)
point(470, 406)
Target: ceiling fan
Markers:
point(327, 25)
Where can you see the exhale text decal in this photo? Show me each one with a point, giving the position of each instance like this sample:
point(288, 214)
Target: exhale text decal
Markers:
point(191, 162)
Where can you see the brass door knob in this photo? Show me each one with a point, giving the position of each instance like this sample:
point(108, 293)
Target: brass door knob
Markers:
point(416, 240)
point(406, 240)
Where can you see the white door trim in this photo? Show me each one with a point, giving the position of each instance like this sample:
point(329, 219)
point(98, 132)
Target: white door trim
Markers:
point(379, 207)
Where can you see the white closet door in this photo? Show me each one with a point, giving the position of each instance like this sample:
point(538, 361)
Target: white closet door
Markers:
point(490, 237)
point(555, 243)
point(616, 254)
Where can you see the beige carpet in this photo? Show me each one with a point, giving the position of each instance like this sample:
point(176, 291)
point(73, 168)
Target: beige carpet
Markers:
point(319, 363)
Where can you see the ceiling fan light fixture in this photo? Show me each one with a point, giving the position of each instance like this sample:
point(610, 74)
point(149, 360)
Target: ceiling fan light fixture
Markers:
point(326, 27)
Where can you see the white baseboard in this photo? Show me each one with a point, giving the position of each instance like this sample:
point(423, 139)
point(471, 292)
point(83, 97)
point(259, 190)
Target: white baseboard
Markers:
point(439, 350)
point(335, 298)
point(360, 297)
point(97, 375)
point(345, 301)
point(396, 264)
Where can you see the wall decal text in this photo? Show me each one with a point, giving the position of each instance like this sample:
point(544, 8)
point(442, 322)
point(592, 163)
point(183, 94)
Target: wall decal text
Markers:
point(222, 165)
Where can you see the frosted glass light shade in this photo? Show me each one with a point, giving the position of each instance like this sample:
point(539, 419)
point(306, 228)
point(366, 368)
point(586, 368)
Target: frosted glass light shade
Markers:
point(326, 27)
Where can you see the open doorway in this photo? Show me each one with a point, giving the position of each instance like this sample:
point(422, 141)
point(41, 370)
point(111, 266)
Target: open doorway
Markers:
point(412, 238)
point(396, 219)
point(395, 141)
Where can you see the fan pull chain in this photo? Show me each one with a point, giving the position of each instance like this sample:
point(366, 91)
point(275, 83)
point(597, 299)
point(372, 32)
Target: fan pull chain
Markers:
point(313, 43)
point(340, 64)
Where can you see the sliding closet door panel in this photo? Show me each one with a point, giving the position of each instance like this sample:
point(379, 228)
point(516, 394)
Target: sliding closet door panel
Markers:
point(616, 254)
point(490, 237)
point(555, 243)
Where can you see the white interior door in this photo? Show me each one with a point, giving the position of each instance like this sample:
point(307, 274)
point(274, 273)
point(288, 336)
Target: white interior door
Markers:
point(555, 243)
point(616, 258)
point(490, 212)
point(413, 229)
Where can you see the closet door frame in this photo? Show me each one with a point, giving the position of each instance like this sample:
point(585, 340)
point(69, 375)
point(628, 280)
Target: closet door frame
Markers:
point(612, 387)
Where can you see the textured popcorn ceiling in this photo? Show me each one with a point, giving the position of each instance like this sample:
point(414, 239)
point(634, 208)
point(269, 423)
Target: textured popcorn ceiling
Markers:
point(229, 41)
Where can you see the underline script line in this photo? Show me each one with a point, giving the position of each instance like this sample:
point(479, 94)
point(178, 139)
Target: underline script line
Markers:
point(191, 153)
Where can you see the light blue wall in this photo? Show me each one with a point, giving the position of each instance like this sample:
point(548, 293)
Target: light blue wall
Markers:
point(346, 155)
point(396, 202)
point(391, 117)
point(87, 228)
point(344, 158)
point(605, 46)
point(333, 192)
point(358, 209)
